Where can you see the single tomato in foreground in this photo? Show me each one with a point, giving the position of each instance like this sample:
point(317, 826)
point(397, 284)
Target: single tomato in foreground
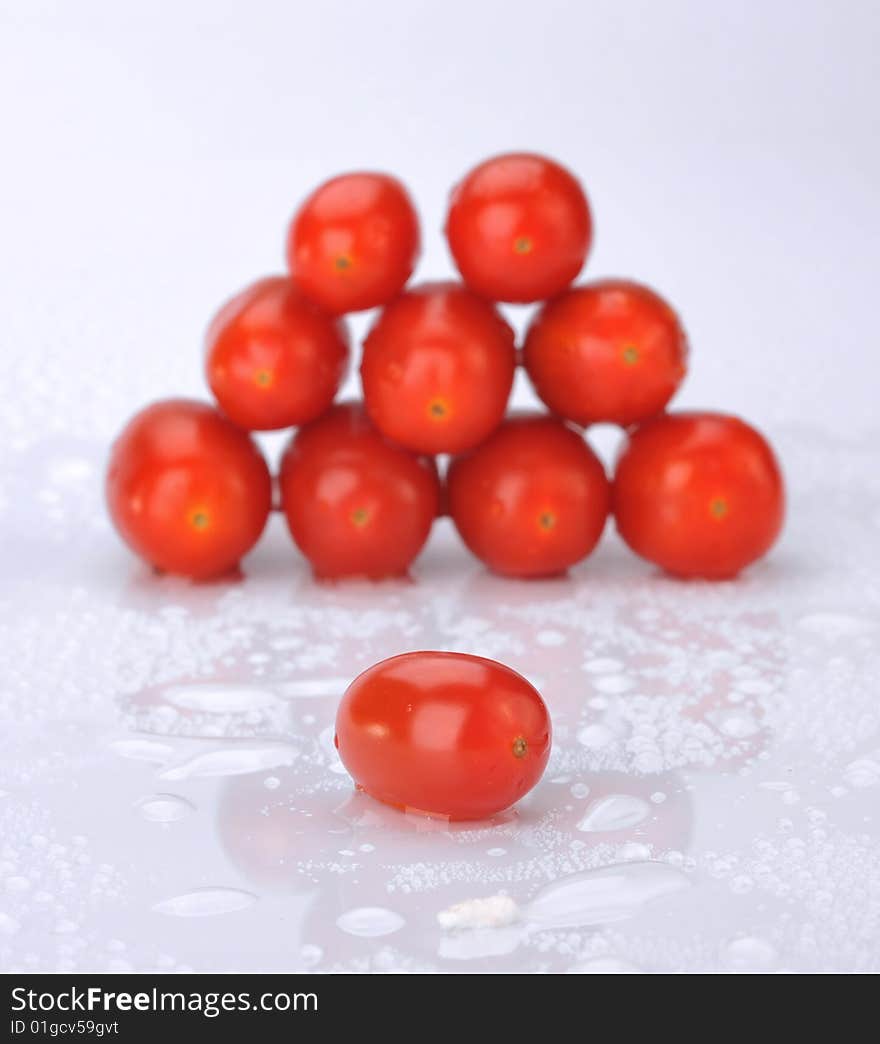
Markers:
point(445, 734)
point(356, 505)
point(437, 369)
point(519, 228)
point(272, 358)
point(609, 351)
point(698, 494)
point(532, 500)
point(187, 490)
point(354, 242)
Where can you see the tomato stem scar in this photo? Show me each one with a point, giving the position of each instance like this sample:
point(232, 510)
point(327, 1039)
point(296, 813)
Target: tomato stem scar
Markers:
point(360, 517)
point(630, 354)
point(718, 507)
point(520, 746)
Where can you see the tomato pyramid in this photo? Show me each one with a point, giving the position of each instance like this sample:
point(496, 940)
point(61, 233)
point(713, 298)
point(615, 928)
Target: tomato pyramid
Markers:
point(699, 494)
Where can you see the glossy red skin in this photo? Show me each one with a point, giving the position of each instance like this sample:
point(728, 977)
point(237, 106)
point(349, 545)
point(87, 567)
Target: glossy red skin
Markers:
point(187, 490)
point(532, 500)
point(609, 351)
point(356, 505)
point(519, 228)
point(272, 358)
point(699, 494)
point(437, 369)
point(354, 242)
point(444, 734)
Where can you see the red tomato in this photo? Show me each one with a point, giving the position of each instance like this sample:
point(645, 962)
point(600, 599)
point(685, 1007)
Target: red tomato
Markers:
point(188, 490)
point(610, 351)
point(355, 504)
point(437, 369)
point(519, 228)
point(273, 360)
point(532, 500)
point(699, 494)
point(354, 242)
point(444, 734)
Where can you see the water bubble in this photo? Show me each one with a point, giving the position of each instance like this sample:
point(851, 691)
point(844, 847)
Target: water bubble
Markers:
point(164, 808)
point(614, 812)
point(750, 954)
point(594, 737)
point(864, 772)
point(370, 922)
point(310, 954)
point(8, 924)
point(271, 782)
point(550, 638)
point(613, 684)
point(496, 853)
point(611, 893)
point(206, 902)
point(603, 665)
point(734, 722)
point(579, 790)
point(832, 626)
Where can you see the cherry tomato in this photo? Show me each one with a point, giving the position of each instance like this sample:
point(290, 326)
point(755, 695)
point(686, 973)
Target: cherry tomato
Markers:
point(532, 500)
point(699, 494)
point(356, 505)
point(437, 369)
point(609, 351)
point(187, 490)
point(354, 242)
point(519, 228)
point(444, 734)
point(273, 360)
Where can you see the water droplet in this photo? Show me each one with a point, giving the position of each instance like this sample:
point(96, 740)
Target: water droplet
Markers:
point(370, 922)
point(496, 853)
point(579, 790)
point(634, 851)
point(67, 470)
point(832, 626)
point(611, 893)
point(310, 954)
point(864, 772)
point(734, 722)
point(750, 954)
point(614, 812)
point(604, 966)
point(213, 698)
point(613, 684)
point(8, 924)
point(271, 782)
point(603, 665)
point(205, 902)
point(594, 737)
point(550, 638)
point(313, 688)
point(232, 761)
point(17, 883)
point(65, 927)
point(142, 750)
point(164, 808)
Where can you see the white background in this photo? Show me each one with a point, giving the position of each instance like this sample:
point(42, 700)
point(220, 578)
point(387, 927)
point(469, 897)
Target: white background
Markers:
point(711, 801)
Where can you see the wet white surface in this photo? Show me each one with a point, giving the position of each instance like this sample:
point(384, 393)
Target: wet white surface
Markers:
point(171, 798)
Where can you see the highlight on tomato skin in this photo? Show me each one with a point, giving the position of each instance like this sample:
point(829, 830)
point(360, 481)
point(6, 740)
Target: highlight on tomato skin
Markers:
point(698, 494)
point(272, 358)
point(519, 227)
point(354, 242)
point(610, 351)
point(444, 734)
point(356, 505)
point(532, 500)
point(187, 490)
point(437, 368)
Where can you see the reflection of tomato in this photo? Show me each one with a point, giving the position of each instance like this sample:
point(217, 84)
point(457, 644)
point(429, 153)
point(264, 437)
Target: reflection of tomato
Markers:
point(356, 505)
point(273, 360)
point(532, 500)
point(437, 369)
point(699, 494)
point(519, 228)
point(187, 490)
point(353, 243)
point(610, 351)
point(443, 733)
